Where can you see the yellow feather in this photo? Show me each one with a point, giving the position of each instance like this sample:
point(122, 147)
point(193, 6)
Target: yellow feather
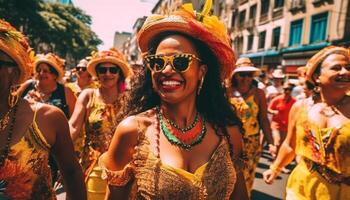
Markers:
point(207, 7)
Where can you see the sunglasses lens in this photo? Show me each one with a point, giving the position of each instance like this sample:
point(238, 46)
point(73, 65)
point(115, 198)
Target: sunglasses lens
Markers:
point(114, 70)
point(156, 63)
point(246, 75)
point(101, 70)
point(181, 63)
point(81, 69)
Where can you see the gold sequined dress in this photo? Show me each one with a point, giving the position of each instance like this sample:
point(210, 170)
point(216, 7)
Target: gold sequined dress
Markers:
point(152, 179)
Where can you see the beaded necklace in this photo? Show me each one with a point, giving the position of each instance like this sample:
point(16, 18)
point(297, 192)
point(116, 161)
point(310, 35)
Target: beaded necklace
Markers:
point(6, 150)
point(185, 139)
point(4, 121)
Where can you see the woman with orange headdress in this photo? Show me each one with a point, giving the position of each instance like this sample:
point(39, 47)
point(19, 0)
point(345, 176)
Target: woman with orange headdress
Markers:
point(30, 130)
point(319, 132)
point(97, 109)
point(49, 72)
point(182, 140)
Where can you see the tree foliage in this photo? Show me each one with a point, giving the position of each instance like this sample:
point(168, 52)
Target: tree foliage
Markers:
point(52, 27)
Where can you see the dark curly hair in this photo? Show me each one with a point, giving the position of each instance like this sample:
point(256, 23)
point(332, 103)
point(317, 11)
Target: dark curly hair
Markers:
point(211, 102)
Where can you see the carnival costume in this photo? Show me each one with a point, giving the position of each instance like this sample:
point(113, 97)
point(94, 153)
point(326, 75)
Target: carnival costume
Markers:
point(24, 170)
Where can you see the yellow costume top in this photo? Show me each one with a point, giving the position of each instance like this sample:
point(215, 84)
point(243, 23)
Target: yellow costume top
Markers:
point(25, 173)
point(247, 111)
point(100, 127)
point(326, 146)
point(324, 170)
point(153, 179)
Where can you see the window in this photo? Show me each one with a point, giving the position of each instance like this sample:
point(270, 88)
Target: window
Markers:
point(242, 17)
point(264, 7)
point(252, 12)
point(262, 37)
point(276, 36)
point(279, 3)
point(318, 27)
point(233, 19)
point(296, 29)
point(250, 42)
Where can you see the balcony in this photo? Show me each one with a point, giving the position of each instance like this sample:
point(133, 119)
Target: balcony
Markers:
point(318, 3)
point(297, 5)
point(250, 24)
point(277, 13)
point(264, 18)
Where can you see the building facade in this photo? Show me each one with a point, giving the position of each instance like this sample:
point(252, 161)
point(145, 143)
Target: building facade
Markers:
point(287, 33)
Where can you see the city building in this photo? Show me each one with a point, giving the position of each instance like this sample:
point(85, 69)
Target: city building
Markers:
point(287, 33)
point(119, 39)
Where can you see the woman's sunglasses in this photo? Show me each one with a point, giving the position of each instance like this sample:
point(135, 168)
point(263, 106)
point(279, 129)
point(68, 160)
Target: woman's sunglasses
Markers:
point(83, 69)
point(103, 70)
point(245, 74)
point(179, 62)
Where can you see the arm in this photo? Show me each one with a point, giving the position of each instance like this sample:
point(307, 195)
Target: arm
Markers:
point(70, 99)
point(272, 107)
point(264, 122)
point(77, 119)
point(286, 153)
point(240, 189)
point(120, 154)
point(63, 152)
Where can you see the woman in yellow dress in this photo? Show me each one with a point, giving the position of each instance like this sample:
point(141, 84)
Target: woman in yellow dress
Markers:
point(97, 111)
point(29, 131)
point(251, 105)
point(319, 131)
point(182, 140)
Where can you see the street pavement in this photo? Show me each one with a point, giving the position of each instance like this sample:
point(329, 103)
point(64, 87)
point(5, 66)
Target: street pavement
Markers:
point(261, 191)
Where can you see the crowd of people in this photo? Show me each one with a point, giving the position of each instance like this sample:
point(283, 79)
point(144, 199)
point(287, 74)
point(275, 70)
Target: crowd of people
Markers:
point(190, 124)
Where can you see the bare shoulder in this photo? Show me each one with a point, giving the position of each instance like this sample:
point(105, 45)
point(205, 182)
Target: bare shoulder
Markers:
point(132, 125)
point(48, 112)
point(260, 92)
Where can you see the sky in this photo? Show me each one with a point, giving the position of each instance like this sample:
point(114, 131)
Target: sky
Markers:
point(109, 16)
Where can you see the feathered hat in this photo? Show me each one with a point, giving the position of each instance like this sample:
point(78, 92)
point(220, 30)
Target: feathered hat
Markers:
point(15, 44)
point(200, 25)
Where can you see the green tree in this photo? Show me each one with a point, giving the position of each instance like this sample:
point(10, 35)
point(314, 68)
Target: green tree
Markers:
point(52, 27)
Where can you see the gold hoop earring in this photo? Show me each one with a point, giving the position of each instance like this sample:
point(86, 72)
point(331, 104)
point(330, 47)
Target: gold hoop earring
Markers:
point(200, 86)
point(13, 96)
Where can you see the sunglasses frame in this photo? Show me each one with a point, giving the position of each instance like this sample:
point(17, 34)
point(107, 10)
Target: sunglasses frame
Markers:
point(170, 60)
point(108, 69)
point(245, 74)
point(80, 69)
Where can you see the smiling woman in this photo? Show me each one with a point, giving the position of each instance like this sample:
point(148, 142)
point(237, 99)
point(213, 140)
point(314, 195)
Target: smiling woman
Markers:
point(30, 131)
point(319, 132)
point(97, 110)
point(181, 136)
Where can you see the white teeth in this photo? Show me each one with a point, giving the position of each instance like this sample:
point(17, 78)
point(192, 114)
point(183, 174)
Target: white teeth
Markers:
point(171, 83)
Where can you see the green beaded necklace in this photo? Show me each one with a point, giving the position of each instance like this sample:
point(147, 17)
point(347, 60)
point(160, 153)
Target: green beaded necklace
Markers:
point(173, 139)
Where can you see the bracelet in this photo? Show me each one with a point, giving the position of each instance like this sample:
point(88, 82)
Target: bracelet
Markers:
point(275, 169)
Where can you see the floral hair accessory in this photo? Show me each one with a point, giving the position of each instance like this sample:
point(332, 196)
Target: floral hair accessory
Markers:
point(15, 44)
point(200, 25)
point(111, 56)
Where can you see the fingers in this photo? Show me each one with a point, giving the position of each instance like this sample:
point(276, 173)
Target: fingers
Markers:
point(268, 177)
